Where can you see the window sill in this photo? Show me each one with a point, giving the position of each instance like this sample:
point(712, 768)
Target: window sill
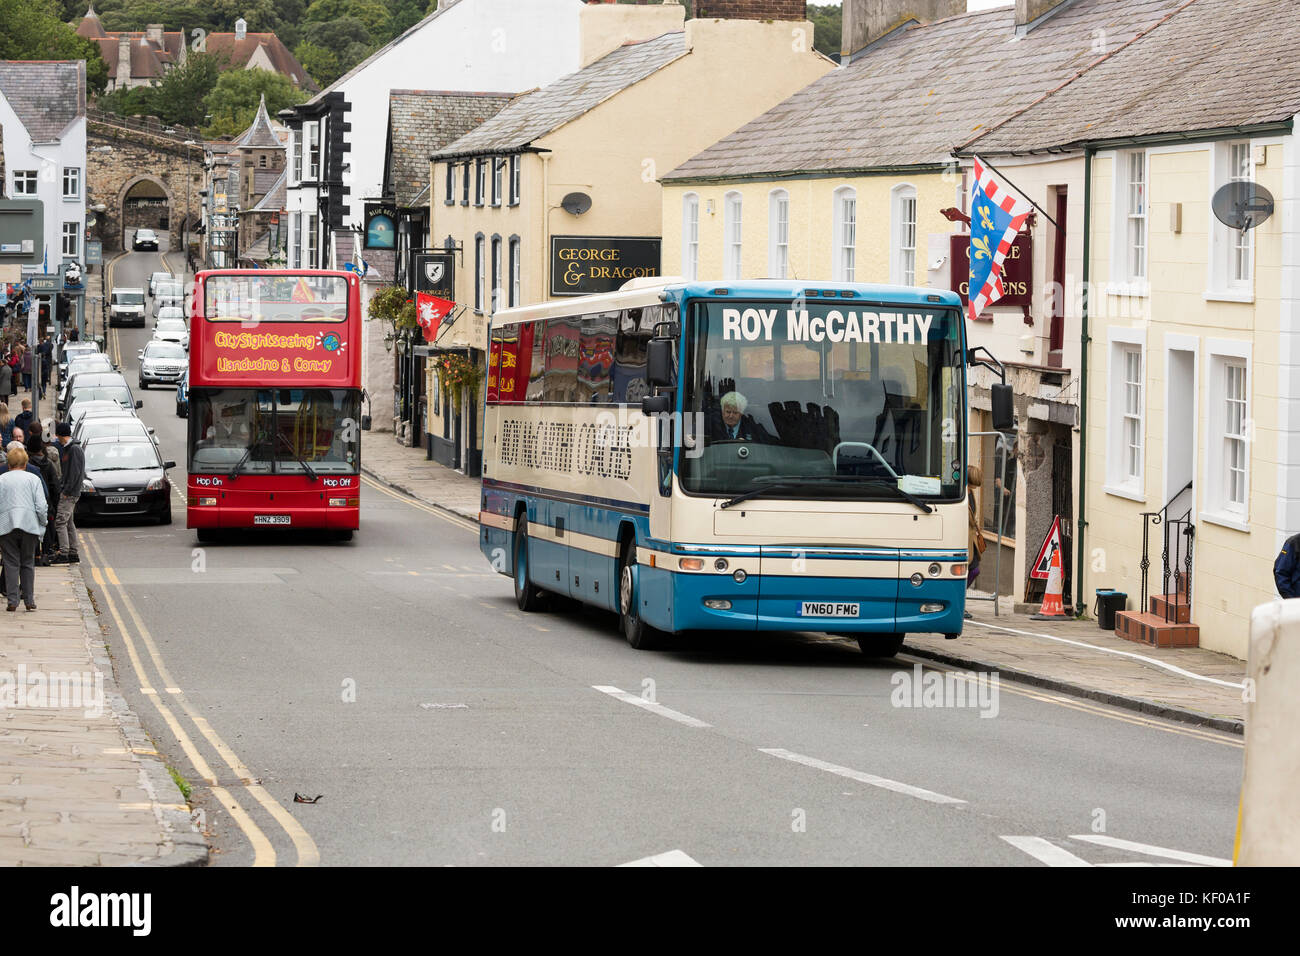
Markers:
point(72, 199)
point(1133, 290)
point(1228, 295)
point(1226, 520)
point(1122, 491)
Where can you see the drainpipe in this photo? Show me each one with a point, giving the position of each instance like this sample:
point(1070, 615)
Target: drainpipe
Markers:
point(1080, 522)
point(546, 226)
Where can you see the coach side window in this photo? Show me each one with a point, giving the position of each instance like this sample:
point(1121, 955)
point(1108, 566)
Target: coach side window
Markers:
point(635, 329)
point(563, 340)
point(596, 357)
point(537, 361)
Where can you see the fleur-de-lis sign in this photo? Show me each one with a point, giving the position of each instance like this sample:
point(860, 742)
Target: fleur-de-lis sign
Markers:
point(985, 221)
point(981, 245)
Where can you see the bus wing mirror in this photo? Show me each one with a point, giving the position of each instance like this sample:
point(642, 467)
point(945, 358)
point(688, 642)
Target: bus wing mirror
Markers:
point(656, 404)
point(659, 363)
point(365, 423)
point(1003, 408)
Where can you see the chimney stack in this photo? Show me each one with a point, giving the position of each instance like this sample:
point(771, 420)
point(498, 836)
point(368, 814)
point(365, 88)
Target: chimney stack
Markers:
point(784, 10)
point(604, 26)
point(154, 33)
point(241, 28)
point(123, 61)
point(866, 21)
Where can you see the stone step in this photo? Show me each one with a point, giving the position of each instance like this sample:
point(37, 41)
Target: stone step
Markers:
point(1152, 630)
point(1179, 610)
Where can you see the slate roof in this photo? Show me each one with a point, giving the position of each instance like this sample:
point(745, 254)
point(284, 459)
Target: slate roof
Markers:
point(908, 100)
point(91, 26)
point(273, 200)
point(1212, 64)
point(264, 179)
point(421, 122)
point(532, 115)
point(46, 95)
point(240, 52)
point(261, 132)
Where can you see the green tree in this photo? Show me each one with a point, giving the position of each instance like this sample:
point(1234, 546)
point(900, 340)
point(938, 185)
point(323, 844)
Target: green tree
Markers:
point(232, 104)
point(33, 30)
point(177, 98)
point(827, 23)
point(322, 65)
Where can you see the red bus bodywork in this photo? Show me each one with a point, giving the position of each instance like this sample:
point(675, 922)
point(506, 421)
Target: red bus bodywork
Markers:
point(273, 355)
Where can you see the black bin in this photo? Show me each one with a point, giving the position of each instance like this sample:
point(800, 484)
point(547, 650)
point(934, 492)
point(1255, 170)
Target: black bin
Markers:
point(1109, 603)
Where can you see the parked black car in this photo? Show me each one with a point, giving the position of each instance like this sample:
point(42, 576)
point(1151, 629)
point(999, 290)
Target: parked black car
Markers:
point(125, 478)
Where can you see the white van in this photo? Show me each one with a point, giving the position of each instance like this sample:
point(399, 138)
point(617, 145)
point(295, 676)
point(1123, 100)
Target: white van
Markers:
point(126, 307)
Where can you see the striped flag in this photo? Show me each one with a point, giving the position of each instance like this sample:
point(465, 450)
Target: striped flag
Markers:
point(996, 216)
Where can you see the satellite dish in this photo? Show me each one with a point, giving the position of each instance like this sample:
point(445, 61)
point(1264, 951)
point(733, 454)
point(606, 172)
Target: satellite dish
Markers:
point(575, 204)
point(1242, 205)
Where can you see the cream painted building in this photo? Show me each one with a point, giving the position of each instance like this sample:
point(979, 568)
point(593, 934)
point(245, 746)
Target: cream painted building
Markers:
point(1192, 399)
point(654, 90)
point(850, 179)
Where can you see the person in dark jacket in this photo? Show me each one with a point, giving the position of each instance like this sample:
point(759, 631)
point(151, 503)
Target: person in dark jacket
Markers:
point(72, 465)
point(1286, 569)
point(42, 456)
point(46, 352)
point(24, 418)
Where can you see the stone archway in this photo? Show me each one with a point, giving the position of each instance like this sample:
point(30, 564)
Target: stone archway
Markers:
point(144, 201)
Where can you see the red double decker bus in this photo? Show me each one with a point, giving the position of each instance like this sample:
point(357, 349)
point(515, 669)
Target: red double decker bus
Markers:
point(274, 401)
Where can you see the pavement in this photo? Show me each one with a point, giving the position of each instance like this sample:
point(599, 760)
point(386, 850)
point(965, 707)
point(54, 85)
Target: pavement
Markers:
point(1191, 685)
point(80, 782)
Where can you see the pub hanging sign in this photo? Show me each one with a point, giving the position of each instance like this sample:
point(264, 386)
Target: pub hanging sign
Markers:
point(1017, 271)
point(582, 265)
point(381, 225)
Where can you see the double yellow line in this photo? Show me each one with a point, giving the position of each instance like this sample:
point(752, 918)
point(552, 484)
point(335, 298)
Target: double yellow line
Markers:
point(263, 851)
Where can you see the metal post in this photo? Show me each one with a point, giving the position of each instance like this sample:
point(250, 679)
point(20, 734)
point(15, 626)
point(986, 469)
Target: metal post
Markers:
point(1000, 448)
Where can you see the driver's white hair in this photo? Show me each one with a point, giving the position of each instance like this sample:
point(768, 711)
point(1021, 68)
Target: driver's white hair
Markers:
point(736, 400)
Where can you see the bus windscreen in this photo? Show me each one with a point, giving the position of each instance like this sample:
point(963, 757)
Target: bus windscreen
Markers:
point(275, 298)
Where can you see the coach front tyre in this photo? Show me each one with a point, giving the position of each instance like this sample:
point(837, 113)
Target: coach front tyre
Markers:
point(880, 645)
point(639, 634)
point(528, 595)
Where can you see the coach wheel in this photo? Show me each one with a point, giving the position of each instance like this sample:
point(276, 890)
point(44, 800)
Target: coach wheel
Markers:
point(639, 634)
point(528, 596)
point(880, 645)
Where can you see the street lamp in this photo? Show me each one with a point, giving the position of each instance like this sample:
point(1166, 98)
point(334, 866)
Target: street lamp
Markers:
point(189, 184)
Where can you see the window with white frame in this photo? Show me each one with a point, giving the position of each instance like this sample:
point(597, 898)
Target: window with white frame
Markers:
point(1126, 408)
point(1227, 494)
point(903, 236)
point(691, 236)
point(497, 288)
point(71, 182)
point(732, 230)
point(295, 156)
point(515, 282)
point(71, 238)
point(516, 162)
point(24, 182)
point(844, 239)
point(498, 178)
point(480, 273)
point(480, 181)
point(312, 131)
point(313, 222)
point(778, 234)
point(1232, 252)
point(1134, 199)
point(295, 240)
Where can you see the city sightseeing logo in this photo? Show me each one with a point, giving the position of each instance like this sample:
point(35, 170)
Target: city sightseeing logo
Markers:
point(331, 342)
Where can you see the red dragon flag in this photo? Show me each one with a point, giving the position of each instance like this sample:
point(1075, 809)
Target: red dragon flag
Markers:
point(429, 312)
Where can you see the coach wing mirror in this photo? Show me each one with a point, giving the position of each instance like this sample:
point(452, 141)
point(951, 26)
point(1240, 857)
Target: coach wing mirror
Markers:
point(1004, 415)
point(659, 363)
point(657, 404)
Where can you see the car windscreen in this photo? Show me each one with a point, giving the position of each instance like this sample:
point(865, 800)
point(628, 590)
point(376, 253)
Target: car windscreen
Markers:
point(92, 428)
point(120, 456)
point(169, 325)
point(164, 350)
point(93, 406)
point(171, 312)
point(170, 290)
point(128, 298)
point(101, 393)
point(100, 363)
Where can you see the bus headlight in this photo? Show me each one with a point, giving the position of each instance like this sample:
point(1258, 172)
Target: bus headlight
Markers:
point(202, 502)
point(933, 608)
point(717, 604)
point(739, 575)
point(959, 570)
point(720, 564)
point(690, 564)
point(917, 579)
point(935, 569)
point(339, 502)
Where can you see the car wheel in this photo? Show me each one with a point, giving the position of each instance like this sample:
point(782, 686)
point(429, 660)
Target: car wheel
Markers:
point(528, 596)
point(143, 386)
point(639, 634)
point(880, 645)
point(166, 517)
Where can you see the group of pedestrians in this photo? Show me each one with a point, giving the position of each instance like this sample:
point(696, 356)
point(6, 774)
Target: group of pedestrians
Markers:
point(40, 480)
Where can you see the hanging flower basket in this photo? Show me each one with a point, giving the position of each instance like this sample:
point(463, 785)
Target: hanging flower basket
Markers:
point(392, 305)
point(459, 377)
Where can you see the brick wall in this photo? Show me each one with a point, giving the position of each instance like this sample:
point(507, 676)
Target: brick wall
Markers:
point(752, 9)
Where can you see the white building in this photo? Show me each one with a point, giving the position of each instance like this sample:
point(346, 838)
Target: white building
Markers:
point(43, 114)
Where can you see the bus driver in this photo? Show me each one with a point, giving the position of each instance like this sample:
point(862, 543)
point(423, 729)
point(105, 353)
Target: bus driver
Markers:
point(734, 424)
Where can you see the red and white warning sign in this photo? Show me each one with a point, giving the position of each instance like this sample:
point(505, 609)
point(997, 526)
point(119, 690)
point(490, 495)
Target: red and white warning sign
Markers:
point(1051, 545)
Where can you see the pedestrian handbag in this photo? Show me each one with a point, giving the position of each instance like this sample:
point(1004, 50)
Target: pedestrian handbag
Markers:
point(976, 535)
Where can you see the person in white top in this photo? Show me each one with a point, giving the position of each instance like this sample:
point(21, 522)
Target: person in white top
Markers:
point(23, 512)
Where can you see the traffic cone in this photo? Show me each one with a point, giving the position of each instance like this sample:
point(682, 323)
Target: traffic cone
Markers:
point(1053, 609)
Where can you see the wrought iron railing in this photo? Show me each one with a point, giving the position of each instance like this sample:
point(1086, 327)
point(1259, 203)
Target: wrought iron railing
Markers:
point(150, 124)
point(1181, 532)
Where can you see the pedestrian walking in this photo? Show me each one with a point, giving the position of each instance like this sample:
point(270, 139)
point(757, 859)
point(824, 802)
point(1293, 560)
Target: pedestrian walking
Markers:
point(23, 511)
point(975, 543)
point(46, 352)
point(1286, 569)
point(72, 467)
point(25, 364)
point(45, 460)
point(6, 379)
point(6, 424)
point(24, 418)
point(15, 362)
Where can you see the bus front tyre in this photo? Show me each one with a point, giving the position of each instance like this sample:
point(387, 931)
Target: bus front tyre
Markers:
point(527, 595)
point(880, 645)
point(206, 535)
point(639, 634)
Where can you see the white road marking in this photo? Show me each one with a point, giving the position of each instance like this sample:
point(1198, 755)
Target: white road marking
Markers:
point(651, 706)
point(1107, 650)
point(671, 858)
point(1148, 850)
point(867, 778)
point(1045, 851)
